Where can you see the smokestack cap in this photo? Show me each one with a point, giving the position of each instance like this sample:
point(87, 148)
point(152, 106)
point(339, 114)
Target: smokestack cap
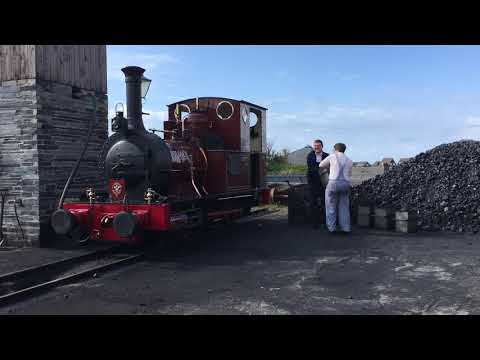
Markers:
point(133, 71)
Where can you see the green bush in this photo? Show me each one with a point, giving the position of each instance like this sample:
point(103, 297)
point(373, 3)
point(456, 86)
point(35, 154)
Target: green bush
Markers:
point(276, 168)
point(277, 163)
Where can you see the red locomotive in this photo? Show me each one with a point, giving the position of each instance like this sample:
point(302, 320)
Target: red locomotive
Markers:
point(209, 165)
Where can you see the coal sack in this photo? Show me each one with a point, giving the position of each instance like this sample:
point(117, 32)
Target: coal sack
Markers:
point(441, 185)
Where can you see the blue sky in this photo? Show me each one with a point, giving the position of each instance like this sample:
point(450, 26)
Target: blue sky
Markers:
point(382, 101)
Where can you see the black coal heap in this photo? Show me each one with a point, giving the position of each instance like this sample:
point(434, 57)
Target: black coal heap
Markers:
point(442, 185)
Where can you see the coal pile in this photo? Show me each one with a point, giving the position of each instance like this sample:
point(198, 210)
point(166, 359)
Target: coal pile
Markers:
point(442, 185)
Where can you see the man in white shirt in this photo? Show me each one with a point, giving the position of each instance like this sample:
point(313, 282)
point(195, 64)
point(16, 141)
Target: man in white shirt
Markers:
point(337, 193)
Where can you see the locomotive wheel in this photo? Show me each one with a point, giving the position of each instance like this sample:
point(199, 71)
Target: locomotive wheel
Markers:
point(124, 224)
point(62, 222)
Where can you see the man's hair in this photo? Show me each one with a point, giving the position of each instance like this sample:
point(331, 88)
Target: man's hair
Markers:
point(340, 147)
point(318, 142)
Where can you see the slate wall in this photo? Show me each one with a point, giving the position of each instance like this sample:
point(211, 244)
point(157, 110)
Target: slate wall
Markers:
point(43, 126)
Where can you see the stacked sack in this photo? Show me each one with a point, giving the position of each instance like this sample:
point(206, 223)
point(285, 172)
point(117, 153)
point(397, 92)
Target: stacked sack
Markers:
point(441, 185)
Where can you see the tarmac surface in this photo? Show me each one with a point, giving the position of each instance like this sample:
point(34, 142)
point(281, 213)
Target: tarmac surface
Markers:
point(263, 266)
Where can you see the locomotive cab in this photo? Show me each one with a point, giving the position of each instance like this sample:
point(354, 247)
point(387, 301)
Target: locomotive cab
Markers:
point(233, 136)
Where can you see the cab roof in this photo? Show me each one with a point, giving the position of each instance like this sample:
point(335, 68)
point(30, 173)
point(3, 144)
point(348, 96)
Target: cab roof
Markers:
point(219, 98)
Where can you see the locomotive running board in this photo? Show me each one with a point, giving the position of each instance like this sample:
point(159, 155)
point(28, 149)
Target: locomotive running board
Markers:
point(235, 197)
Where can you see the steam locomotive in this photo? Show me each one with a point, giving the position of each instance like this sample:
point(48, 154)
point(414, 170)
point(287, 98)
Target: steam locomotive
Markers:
point(209, 165)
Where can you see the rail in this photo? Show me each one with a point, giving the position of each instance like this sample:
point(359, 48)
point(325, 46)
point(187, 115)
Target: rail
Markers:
point(19, 285)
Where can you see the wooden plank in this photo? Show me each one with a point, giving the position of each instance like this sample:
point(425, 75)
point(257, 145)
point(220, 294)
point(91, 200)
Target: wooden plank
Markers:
point(23, 61)
point(53, 63)
point(3, 56)
point(15, 62)
point(10, 60)
point(88, 61)
point(45, 65)
point(5, 62)
point(74, 67)
point(62, 64)
point(80, 65)
point(32, 62)
point(18, 62)
point(70, 68)
point(91, 76)
point(51, 60)
point(38, 60)
point(103, 67)
point(43, 71)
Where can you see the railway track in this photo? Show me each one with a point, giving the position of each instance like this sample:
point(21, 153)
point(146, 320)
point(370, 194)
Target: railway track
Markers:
point(27, 283)
point(33, 281)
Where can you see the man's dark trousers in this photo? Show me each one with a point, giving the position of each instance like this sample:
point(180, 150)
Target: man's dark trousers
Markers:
point(317, 191)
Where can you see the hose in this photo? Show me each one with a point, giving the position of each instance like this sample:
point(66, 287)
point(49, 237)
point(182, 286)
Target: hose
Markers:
point(3, 195)
point(193, 183)
point(75, 169)
point(206, 169)
point(18, 220)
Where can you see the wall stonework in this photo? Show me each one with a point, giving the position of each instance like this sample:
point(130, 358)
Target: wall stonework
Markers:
point(19, 160)
point(63, 121)
point(43, 126)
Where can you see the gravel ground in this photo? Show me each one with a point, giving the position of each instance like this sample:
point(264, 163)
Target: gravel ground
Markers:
point(263, 266)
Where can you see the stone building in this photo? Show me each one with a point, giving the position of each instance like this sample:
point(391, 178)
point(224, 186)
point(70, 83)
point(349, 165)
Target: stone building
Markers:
point(388, 161)
point(363, 173)
point(47, 99)
point(402, 160)
point(361, 163)
point(299, 157)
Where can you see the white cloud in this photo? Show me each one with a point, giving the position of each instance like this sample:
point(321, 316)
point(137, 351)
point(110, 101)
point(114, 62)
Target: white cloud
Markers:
point(355, 113)
point(155, 119)
point(370, 132)
point(470, 129)
point(117, 59)
point(173, 98)
point(338, 117)
point(269, 102)
point(472, 122)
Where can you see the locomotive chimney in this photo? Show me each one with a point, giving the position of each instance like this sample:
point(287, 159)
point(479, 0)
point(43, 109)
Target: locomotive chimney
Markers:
point(133, 80)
